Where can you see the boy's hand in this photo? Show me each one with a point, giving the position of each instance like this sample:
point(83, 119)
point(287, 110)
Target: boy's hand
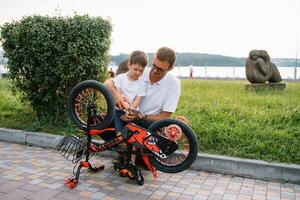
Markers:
point(120, 102)
point(126, 99)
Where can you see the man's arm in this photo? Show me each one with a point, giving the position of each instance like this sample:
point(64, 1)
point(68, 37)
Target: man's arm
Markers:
point(161, 115)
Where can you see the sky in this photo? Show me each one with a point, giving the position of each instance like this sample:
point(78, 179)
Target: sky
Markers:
point(223, 27)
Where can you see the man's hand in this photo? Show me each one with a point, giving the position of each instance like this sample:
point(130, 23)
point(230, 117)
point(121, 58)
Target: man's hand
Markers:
point(128, 117)
point(132, 114)
point(183, 119)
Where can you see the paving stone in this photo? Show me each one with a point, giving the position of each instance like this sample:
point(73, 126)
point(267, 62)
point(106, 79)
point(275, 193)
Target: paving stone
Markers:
point(168, 187)
point(97, 195)
point(54, 186)
point(246, 191)
point(218, 191)
point(259, 192)
point(229, 197)
point(146, 192)
point(10, 186)
point(243, 197)
point(287, 195)
point(85, 194)
point(187, 192)
point(259, 197)
point(36, 181)
point(186, 197)
point(204, 192)
point(39, 174)
point(16, 194)
point(29, 187)
point(232, 192)
point(44, 194)
point(178, 189)
point(207, 187)
point(273, 198)
point(215, 197)
point(68, 196)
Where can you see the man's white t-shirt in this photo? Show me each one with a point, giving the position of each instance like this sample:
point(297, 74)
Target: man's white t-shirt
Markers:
point(130, 89)
point(160, 96)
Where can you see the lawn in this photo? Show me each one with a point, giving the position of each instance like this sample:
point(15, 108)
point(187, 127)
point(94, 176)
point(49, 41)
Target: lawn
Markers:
point(231, 121)
point(227, 119)
point(14, 114)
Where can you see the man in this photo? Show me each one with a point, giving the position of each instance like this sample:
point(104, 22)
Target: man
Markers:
point(162, 90)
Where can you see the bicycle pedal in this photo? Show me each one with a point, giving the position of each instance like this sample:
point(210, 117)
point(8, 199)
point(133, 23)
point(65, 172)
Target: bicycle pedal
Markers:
point(94, 169)
point(71, 183)
point(67, 181)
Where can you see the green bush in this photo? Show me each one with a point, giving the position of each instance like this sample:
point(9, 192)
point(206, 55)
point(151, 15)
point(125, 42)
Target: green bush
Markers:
point(47, 56)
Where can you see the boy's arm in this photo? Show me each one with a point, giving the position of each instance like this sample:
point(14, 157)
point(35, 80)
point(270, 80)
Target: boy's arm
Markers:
point(117, 94)
point(136, 102)
point(126, 104)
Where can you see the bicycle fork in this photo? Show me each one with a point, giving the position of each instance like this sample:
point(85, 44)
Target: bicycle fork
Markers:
point(72, 182)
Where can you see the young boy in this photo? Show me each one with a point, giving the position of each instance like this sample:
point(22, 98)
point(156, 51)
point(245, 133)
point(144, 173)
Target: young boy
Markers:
point(131, 87)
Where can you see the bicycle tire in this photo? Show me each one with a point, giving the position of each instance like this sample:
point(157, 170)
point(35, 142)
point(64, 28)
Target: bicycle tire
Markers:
point(97, 90)
point(188, 133)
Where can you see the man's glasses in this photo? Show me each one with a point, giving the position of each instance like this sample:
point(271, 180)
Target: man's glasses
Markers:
point(158, 69)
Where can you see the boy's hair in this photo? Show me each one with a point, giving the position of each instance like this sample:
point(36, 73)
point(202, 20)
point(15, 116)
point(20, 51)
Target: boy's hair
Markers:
point(166, 54)
point(138, 57)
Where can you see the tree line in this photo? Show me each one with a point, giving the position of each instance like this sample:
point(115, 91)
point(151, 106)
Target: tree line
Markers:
point(201, 59)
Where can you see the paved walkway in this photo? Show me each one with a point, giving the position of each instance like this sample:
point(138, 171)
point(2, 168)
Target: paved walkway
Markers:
point(38, 174)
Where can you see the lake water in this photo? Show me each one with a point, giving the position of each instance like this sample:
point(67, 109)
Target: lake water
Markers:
point(216, 72)
point(225, 72)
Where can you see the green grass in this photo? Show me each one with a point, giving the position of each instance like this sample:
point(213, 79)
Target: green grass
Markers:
point(227, 119)
point(14, 114)
point(231, 121)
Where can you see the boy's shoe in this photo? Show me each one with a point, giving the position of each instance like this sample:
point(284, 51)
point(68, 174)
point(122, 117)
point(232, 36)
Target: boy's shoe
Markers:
point(131, 171)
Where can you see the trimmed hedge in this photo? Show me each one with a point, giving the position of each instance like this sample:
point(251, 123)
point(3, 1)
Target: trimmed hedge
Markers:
point(47, 56)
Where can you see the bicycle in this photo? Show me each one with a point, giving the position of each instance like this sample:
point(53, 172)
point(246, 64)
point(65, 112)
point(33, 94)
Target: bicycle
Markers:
point(168, 145)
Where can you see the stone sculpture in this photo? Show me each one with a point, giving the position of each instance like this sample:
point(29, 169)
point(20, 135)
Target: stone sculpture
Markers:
point(260, 69)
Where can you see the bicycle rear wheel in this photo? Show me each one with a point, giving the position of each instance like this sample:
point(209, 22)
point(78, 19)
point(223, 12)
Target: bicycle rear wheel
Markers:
point(187, 150)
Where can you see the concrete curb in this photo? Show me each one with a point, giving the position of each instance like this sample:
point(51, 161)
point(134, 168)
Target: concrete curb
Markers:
point(257, 169)
point(214, 163)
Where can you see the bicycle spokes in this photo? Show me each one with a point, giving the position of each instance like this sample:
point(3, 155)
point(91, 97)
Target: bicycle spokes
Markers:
point(94, 98)
point(183, 146)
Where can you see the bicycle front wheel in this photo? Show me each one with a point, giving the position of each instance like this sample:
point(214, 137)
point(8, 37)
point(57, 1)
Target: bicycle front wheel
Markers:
point(93, 94)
